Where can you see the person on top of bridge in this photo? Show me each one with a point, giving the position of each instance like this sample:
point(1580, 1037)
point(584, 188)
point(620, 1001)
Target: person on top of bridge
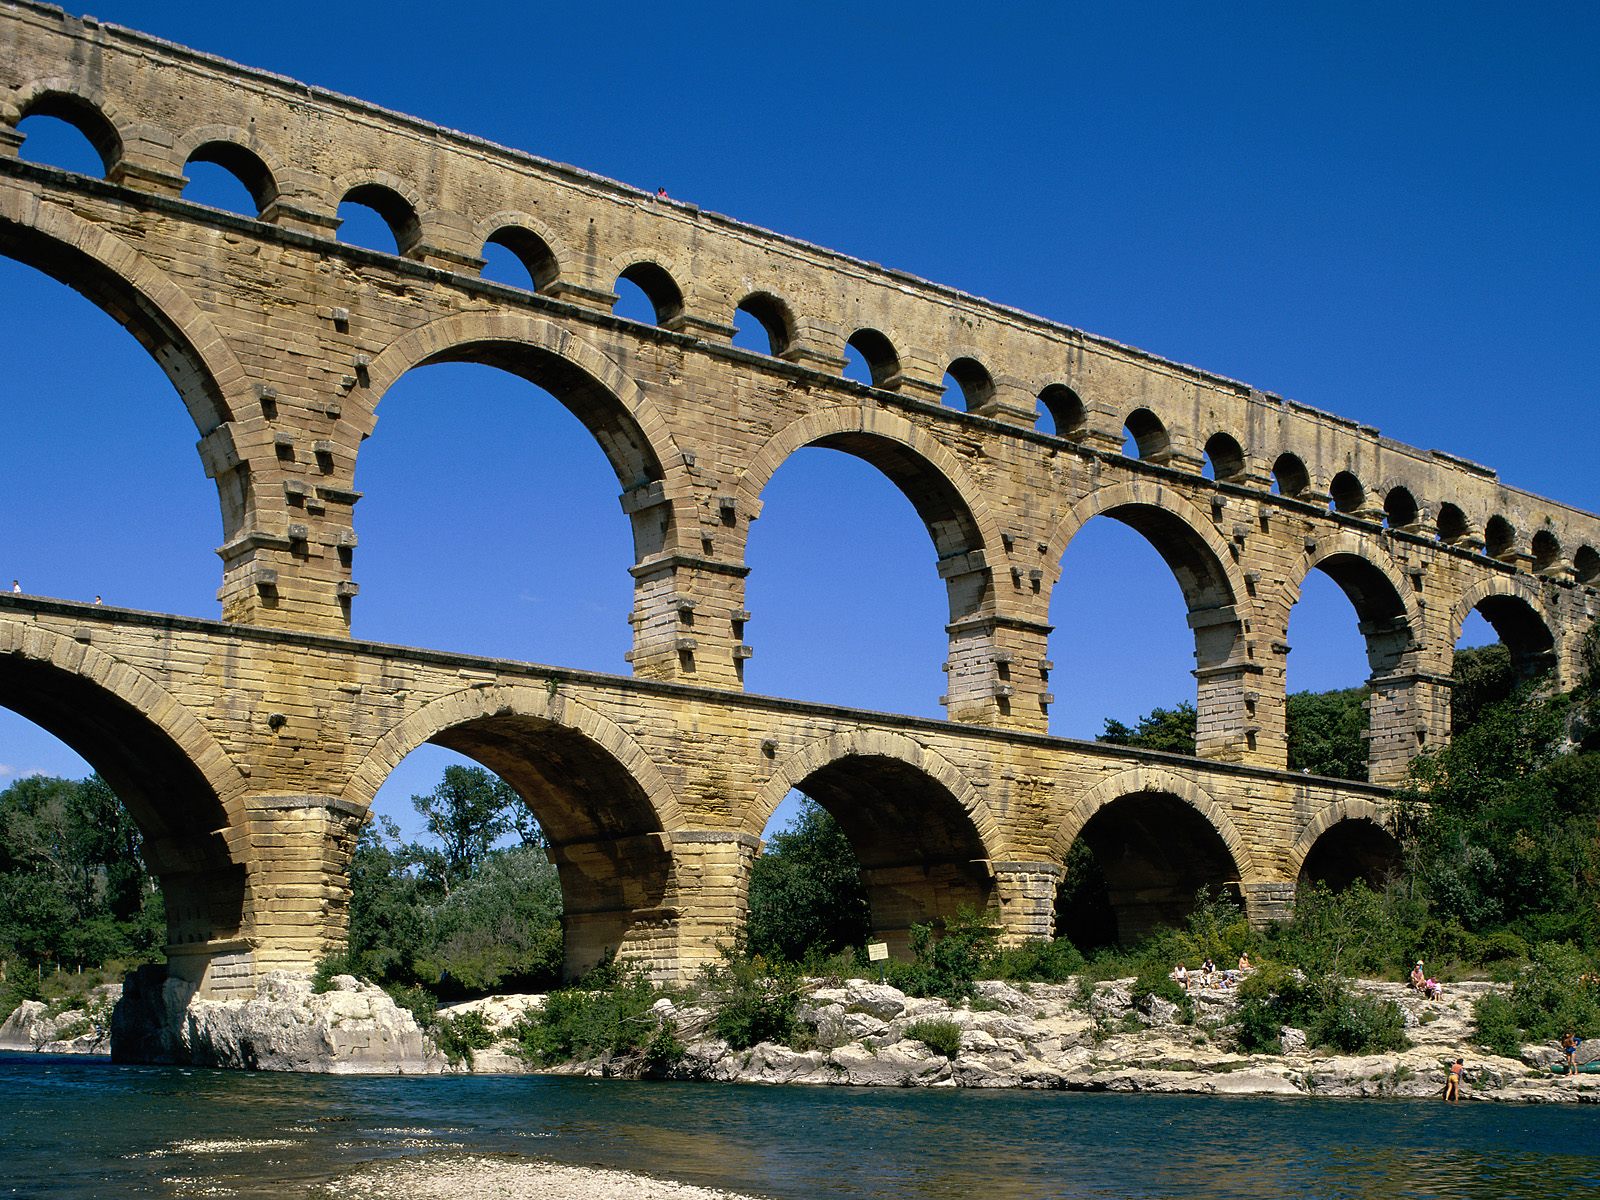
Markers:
point(16, 587)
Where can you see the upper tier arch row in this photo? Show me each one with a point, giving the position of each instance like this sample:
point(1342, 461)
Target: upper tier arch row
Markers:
point(300, 152)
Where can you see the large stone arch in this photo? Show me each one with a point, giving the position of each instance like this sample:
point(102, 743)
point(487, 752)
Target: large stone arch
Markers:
point(1208, 576)
point(626, 424)
point(1384, 601)
point(1156, 840)
point(950, 504)
point(1514, 607)
point(1135, 780)
point(925, 840)
point(605, 808)
point(654, 454)
point(1330, 816)
point(178, 784)
point(1184, 536)
point(538, 702)
point(115, 278)
point(807, 761)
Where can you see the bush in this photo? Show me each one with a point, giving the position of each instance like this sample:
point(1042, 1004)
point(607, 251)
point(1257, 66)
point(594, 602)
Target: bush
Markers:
point(946, 966)
point(585, 1022)
point(418, 1001)
point(1048, 960)
point(1154, 981)
point(1494, 1021)
point(753, 1002)
point(1332, 1016)
point(1555, 993)
point(459, 1035)
point(941, 1036)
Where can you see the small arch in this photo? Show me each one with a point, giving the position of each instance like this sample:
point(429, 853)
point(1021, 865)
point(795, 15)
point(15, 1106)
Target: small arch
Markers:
point(529, 249)
point(1290, 477)
point(1225, 458)
point(1546, 551)
point(879, 361)
point(244, 165)
point(1586, 564)
point(970, 380)
point(660, 292)
point(81, 114)
point(1452, 525)
point(775, 324)
point(395, 211)
point(1151, 442)
point(1499, 538)
point(1069, 417)
point(1348, 841)
point(1400, 508)
point(1347, 493)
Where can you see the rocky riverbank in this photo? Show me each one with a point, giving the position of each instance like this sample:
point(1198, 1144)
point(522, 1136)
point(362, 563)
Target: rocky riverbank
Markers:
point(1068, 1037)
point(856, 1033)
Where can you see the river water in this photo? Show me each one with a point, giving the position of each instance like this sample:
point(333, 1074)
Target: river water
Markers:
point(85, 1128)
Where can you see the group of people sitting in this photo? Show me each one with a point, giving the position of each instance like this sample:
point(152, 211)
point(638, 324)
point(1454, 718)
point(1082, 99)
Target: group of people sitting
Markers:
point(1207, 975)
point(1424, 983)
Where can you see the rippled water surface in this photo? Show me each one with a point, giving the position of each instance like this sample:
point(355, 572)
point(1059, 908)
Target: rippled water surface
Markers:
point(76, 1128)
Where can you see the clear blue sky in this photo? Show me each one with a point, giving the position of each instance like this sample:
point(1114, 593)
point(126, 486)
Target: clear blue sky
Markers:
point(1389, 214)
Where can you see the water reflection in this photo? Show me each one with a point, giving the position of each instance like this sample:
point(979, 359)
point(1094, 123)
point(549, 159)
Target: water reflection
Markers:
point(75, 1129)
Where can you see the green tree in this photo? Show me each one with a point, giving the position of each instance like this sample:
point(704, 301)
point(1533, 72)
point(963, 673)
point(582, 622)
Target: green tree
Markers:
point(1169, 729)
point(1481, 676)
point(467, 812)
point(1325, 733)
point(74, 888)
point(806, 894)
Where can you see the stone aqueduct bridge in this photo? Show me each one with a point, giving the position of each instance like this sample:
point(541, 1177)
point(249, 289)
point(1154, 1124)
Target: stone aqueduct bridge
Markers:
point(249, 750)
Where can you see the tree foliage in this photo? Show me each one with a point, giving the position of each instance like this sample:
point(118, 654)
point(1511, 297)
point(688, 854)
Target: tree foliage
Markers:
point(74, 888)
point(1324, 731)
point(807, 900)
point(1169, 729)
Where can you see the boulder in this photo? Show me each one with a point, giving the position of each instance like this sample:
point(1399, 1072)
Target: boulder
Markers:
point(84, 1029)
point(352, 1029)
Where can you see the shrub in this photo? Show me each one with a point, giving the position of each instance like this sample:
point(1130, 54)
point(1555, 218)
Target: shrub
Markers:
point(941, 1036)
point(327, 967)
point(1494, 1021)
point(753, 1002)
point(418, 1001)
point(1332, 1015)
point(1555, 993)
point(585, 1022)
point(1048, 960)
point(1352, 1023)
point(946, 966)
point(459, 1035)
point(1154, 981)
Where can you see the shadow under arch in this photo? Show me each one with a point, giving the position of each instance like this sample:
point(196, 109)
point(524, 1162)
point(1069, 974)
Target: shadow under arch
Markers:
point(604, 806)
point(1157, 838)
point(178, 785)
point(590, 385)
point(1516, 613)
point(948, 502)
point(1346, 841)
point(923, 836)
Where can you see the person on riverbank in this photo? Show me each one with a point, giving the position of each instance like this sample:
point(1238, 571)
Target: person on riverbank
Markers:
point(1417, 977)
point(1452, 1083)
point(1569, 1051)
point(1182, 976)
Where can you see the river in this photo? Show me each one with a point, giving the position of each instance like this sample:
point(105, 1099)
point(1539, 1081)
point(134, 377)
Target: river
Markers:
point(74, 1128)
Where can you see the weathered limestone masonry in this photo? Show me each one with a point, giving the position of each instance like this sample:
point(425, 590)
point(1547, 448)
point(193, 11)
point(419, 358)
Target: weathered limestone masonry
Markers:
point(250, 751)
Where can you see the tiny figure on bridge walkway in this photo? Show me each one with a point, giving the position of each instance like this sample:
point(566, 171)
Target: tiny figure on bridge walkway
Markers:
point(661, 193)
point(16, 588)
point(97, 598)
point(1452, 1083)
